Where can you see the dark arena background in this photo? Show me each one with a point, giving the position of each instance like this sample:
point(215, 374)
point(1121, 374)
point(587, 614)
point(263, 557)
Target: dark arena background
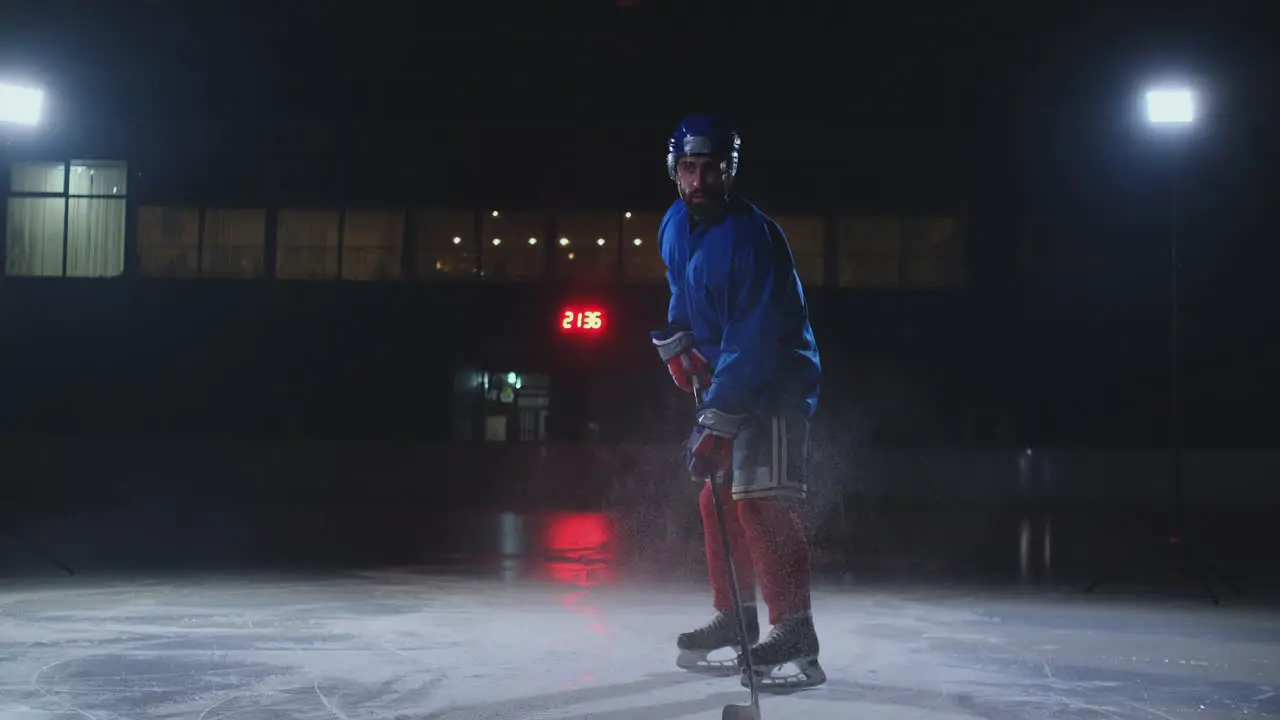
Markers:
point(326, 387)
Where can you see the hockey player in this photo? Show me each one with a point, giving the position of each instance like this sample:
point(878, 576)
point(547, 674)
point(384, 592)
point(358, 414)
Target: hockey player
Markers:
point(739, 330)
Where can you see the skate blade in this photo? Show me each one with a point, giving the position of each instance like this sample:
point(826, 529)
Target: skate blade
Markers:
point(740, 712)
point(698, 661)
point(809, 673)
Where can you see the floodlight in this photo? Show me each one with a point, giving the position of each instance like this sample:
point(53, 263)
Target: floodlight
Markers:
point(1171, 106)
point(20, 105)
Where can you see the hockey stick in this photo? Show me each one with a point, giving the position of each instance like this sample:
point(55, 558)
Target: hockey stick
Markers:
point(733, 712)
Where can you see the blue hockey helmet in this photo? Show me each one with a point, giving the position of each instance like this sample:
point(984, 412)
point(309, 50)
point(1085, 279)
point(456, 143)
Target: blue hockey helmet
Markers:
point(704, 135)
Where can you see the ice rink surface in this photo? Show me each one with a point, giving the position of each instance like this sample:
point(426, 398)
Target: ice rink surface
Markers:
point(419, 644)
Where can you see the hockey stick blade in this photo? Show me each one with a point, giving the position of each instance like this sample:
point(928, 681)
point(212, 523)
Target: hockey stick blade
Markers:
point(740, 712)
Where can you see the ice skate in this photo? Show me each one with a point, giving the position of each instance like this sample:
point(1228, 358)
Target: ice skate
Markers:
point(792, 642)
point(722, 632)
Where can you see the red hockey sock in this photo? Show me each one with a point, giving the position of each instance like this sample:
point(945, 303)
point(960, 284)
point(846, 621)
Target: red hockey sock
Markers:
point(781, 552)
point(742, 565)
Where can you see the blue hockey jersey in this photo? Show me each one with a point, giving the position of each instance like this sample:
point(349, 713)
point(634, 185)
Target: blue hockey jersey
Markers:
point(734, 284)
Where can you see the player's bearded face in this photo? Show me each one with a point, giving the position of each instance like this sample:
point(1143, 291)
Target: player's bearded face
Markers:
point(703, 182)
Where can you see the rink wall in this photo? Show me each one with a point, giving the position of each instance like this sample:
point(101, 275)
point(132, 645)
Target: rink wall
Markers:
point(201, 502)
point(105, 470)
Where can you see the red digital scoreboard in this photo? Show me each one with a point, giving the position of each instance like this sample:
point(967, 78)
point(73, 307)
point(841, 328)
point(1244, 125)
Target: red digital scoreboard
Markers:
point(582, 320)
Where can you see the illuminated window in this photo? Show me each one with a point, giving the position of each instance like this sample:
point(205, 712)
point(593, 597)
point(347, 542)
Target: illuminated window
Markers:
point(307, 244)
point(508, 254)
point(806, 236)
point(234, 242)
point(584, 256)
point(641, 261)
point(371, 244)
point(67, 218)
point(445, 244)
point(45, 178)
point(96, 218)
point(36, 226)
point(870, 251)
point(169, 241)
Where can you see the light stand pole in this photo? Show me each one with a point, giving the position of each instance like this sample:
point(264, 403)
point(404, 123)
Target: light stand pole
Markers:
point(1175, 361)
point(1191, 563)
point(1176, 107)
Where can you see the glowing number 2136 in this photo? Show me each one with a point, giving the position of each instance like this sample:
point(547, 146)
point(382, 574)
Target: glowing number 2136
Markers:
point(582, 320)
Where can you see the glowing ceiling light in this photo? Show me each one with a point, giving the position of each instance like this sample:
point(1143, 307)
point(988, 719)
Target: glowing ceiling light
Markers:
point(1171, 107)
point(20, 105)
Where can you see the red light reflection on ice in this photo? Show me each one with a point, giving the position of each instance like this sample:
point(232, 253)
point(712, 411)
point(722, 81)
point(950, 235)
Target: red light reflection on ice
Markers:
point(576, 601)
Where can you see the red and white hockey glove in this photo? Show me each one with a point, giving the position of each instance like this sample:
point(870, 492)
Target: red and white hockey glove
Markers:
point(711, 444)
point(676, 348)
